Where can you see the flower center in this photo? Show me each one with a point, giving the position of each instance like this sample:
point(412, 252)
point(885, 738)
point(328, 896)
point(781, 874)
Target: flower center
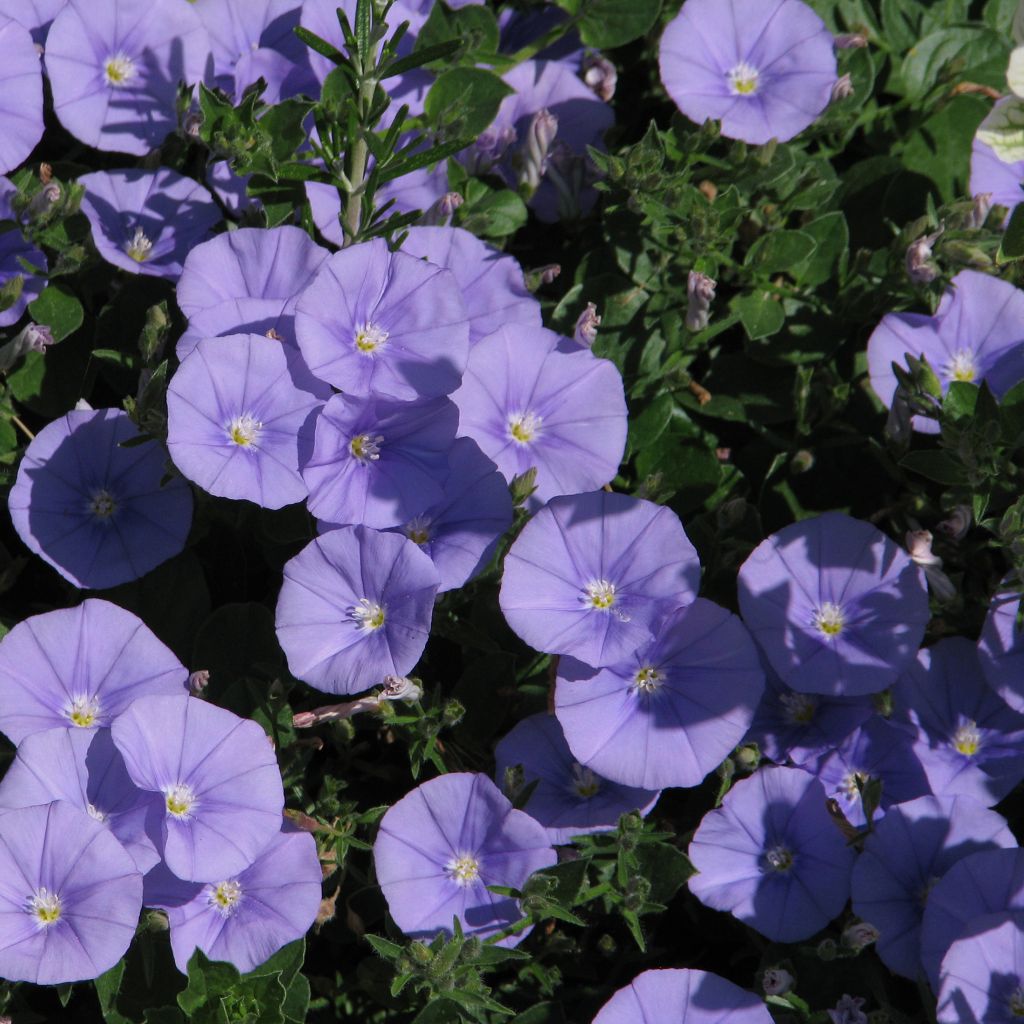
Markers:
point(584, 782)
point(94, 812)
point(225, 897)
point(599, 594)
point(418, 529)
point(366, 448)
point(244, 430)
point(524, 427)
point(1017, 1002)
point(829, 619)
point(853, 783)
point(779, 858)
point(83, 712)
point(967, 739)
point(368, 615)
point(962, 366)
point(464, 869)
point(140, 247)
point(648, 679)
point(180, 800)
point(743, 79)
point(102, 504)
point(45, 907)
point(119, 70)
point(800, 708)
point(369, 337)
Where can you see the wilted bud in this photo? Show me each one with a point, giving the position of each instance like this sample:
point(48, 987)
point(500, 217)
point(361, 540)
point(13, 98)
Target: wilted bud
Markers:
point(802, 461)
point(533, 156)
point(192, 123)
point(851, 41)
point(700, 292)
point(920, 267)
point(980, 209)
point(273, 335)
point(958, 523)
point(198, 681)
point(334, 712)
point(859, 936)
point(842, 89)
point(440, 214)
point(44, 200)
point(600, 75)
point(453, 713)
point(585, 333)
point(400, 688)
point(537, 276)
point(776, 982)
point(848, 1011)
point(33, 338)
point(919, 547)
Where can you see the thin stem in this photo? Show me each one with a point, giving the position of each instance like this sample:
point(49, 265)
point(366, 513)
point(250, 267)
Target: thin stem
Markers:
point(21, 426)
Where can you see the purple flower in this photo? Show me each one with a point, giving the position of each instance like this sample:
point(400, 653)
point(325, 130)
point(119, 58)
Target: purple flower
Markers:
point(71, 895)
point(492, 284)
point(355, 606)
point(968, 741)
point(837, 607)
point(671, 712)
point(764, 68)
point(530, 399)
point(877, 751)
point(987, 882)
point(800, 727)
point(982, 972)
point(1001, 647)
point(35, 15)
point(594, 575)
point(245, 918)
point(13, 249)
point(976, 335)
point(911, 848)
point(98, 512)
point(21, 93)
point(146, 222)
point(236, 422)
point(772, 856)
point(217, 778)
point(85, 769)
point(115, 68)
point(569, 799)
point(696, 997)
point(441, 845)
point(461, 531)
point(377, 461)
point(230, 188)
point(380, 324)
point(80, 668)
point(993, 175)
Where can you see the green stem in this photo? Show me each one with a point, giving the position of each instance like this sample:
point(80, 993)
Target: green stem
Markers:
point(360, 151)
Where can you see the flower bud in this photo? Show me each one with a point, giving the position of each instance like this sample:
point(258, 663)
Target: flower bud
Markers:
point(198, 681)
point(958, 523)
point(826, 950)
point(490, 147)
point(400, 688)
point(700, 292)
point(44, 200)
point(585, 333)
point(192, 123)
point(921, 269)
point(32, 338)
point(534, 154)
point(776, 982)
point(919, 547)
point(541, 275)
point(980, 209)
point(600, 75)
point(851, 41)
point(440, 214)
point(848, 1011)
point(860, 935)
point(842, 89)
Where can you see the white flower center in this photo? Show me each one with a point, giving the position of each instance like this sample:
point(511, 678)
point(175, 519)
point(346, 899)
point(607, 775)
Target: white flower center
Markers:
point(584, 782)
point(418, 529)
point(83, 711)
point(524, 427)
point(369, 337)
point(244, 430)
point(599, 594)
point(140, 247)
point(743, 79)
point(648, 679)
point(224, 897)
point(102, 504)
point(180, 800)
point(366, 448)
point(119, 70)
point(800, 708)
point(368, 615)
point(962, 366)
point(779, 858)
point(463, 869)
point(967, 739)
point(45, 907)
point(829, 619)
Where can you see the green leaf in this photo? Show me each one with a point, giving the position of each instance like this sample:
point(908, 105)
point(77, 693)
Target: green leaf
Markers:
point(961, 399)
point(832, 238)
point(296, 999)
point(604, 24)
point(465, 100)
point(58, 309)
point(491, 213)
point(960, 48)
point(780, 251)
point(760, 314)
point(542, 1013)
point(1012, 247)
point(937, 466)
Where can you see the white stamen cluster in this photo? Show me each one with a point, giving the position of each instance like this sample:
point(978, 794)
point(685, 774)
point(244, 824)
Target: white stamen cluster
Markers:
point(366, 448)
point(119, 70)
point(367, 614)
point(829, 619)
point(244, 430)
point(224, 897)
point(140, 247)
point(743, 79)
point(83, 711)
point(463, 869)
point(102, 505)
point(180, 800)
point(524, 427)
point(370, 337)
point(45, 907)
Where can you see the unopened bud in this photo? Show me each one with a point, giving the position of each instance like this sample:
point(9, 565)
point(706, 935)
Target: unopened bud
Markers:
point(440, 213)
point(848, 1011)
point(44, 200)
point(980, 209)
point(513, 781)
point(453, 713)
point(826, 949)
point(921, 269)
point(523, 486)
point(700, 292)
point(851, 41)
point(33, 338)
point(859, 936)
point(585, 333)
point(198, 681)
point(400, 688)
point(958, 523)
point(600, 75)
point(842, 88)
point(334, 712)
point(490, 147)
point(541, 275)
point(919, 547)
point(776, 982)
point(535, 152)
point(192, 123)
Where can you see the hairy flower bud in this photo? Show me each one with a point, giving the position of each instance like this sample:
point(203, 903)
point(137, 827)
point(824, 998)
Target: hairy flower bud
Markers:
point(921, 269)
point(600, 75)
point(980, 209)
point(700, 292)
point(534, 154)
point(842, 89)
point(860, 935)
point(776, 982)
point(585, 333)
point(44, 200)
